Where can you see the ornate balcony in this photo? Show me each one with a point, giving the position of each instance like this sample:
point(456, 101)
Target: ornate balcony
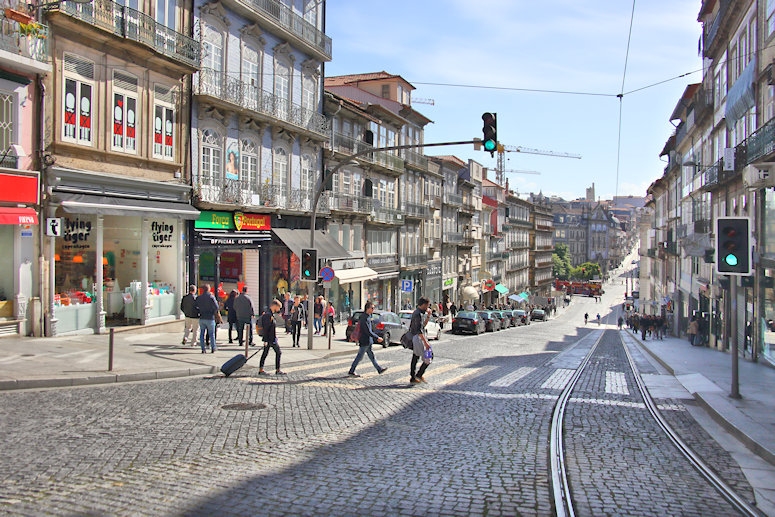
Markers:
point(416, 160)
point(416, 211)
point(761, 144)
point(452, 199)
point(233, 93)
point(348, 145)
point(350, 203)
point(243, 193)
point(413, 260)
point(134, 25)
point(387, 216)
point(32, 48)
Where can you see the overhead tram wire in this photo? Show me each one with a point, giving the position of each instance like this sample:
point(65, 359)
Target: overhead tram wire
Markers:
point(621, 97)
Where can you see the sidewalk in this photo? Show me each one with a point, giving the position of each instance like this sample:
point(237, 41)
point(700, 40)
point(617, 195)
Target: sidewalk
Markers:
point(83, 359)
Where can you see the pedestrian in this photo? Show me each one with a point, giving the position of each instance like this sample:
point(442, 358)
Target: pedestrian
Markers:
point(297, 316)
point(245, 312)
point(598, 318)
point(453, 309)
point(586, 317)
point(318, 314)
point(419, 319)
point(189, 310)
point(366, 339)
point(231, 314)
point(330, 313)
point(620, 321)
point(207, 306)
point(287, 304)
point(694, 327)
point(269, 337)
point(305, 309)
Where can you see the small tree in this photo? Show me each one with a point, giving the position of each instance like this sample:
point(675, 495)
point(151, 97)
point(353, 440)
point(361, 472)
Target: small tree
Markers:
point(561, 264)
point(586, 271)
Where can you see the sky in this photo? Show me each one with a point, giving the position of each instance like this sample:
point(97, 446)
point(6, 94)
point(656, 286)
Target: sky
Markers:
point(497, 52)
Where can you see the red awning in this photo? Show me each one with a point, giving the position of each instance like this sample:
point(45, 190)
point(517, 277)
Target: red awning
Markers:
point(18, 216)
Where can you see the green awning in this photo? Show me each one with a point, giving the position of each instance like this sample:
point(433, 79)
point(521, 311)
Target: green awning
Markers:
point(501, 288)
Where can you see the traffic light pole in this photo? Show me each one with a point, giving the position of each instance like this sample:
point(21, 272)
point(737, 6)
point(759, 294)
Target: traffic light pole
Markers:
point(316, 198)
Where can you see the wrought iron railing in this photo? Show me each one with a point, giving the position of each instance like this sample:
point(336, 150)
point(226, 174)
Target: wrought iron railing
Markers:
point(348, 145)
point(244, 95)
point(710, 34)
point(250, 193)
point(453, 199)
point(413, 260)
point(134, 25)
point(416, 210)
point(452, 237)
point(387, 215)
point(33, 46)
point(416, 159)
point(761, 143)
point(282, 16)
point(350, 203)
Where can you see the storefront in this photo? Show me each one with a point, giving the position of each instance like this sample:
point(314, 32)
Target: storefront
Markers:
point(347, 288)
point(117, 252)
point(383, 290)
point(431, 285)
point(18, 223)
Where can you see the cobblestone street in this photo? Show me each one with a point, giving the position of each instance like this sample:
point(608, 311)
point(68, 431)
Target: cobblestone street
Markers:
point(472, 441)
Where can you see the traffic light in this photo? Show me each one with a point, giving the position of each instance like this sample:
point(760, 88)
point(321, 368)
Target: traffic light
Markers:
point(490, 132)
point(733, 246)
point(309, 265)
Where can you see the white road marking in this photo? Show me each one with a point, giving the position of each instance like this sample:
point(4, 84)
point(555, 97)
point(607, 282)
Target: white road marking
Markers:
point(511, 378)
point(616, 383)
point(558, 380)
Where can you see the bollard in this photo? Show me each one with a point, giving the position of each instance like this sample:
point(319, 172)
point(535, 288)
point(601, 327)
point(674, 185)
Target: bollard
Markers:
point(110, 351)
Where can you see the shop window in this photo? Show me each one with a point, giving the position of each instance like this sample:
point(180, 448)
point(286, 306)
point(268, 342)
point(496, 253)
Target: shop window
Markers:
point(77, 102)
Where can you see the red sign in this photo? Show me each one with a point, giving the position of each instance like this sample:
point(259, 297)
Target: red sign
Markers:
point(15, 188)
point(488, 285)
point(252, 221)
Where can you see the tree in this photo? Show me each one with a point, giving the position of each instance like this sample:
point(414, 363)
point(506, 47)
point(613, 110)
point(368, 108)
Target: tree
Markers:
point(586, 271)
point(561, 264)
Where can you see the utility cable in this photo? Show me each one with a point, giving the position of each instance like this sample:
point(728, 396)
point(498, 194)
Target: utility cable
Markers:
point(621, 103)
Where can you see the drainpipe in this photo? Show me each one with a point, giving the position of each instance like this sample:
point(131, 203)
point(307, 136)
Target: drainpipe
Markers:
point(42, 196)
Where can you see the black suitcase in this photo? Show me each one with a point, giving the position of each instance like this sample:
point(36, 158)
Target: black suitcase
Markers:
point(235, 363)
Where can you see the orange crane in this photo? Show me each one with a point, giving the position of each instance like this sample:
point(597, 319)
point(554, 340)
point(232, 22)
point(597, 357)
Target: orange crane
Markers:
point(503, 149)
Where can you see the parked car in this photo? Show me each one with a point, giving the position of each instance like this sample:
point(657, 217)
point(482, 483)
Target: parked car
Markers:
point(468, 321)
point(432, 328)
point(506, 316)
point(521, 317)
point(386, 324)
point(491, 321)
point(538, 314)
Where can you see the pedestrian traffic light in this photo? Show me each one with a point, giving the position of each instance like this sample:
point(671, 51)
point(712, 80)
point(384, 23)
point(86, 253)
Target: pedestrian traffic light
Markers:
point(309, 265)
point(733, 246)
point(490, 132)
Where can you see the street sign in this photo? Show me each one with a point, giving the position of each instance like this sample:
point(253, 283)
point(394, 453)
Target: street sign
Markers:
point(406, 286)
point(326, 273)
point(54, 227)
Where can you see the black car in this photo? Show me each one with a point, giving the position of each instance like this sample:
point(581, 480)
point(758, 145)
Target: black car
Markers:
point(538, 314)
point(491, 321)
point(467, 321)
point(386, 324)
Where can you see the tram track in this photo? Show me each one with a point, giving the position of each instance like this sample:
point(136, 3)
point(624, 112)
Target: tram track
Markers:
point(562, 495)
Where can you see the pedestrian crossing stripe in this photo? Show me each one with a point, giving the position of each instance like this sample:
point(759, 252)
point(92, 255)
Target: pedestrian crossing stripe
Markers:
point(558, 380)
point(511, 378)
point(616, 383)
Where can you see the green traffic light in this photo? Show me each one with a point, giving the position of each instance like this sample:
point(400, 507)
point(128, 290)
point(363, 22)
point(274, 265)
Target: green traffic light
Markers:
point(731, 259)
point(490, 145)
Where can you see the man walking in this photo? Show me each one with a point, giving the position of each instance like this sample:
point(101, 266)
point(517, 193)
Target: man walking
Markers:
point(243, 306)
point(269, 337)
point(318, 314)
point(366, 338)
point(207, 306)
point(297, 316)
point(287, 304)
point(188, 308)
point(419, 343)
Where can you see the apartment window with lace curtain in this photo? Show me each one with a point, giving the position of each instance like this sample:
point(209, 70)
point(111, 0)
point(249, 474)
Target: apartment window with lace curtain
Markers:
point(249, 164)
point(212, 157)
point(7, 116)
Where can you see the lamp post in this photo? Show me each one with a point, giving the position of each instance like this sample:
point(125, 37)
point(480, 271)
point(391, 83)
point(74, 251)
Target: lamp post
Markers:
point(319, 191)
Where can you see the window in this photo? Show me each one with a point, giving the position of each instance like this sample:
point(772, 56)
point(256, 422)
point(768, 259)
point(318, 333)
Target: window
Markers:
point(308, 94)
point(165, 13)
point(311, 12)
point(282, 89)
point(212, 157)
point(78, 101)
point(385, 91)
point(249, 165)
point(307, 181)
point(124, 112)
point(212, 61)
point(251, 77)
point(280, 169)
point(163, 123)
point(8, 116)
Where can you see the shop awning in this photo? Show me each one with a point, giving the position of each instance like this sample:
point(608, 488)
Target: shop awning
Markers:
point(501, 288)
point(524, 295)
point(516, 298)
point(469, 293)
point(358, 274)
point(106, 205)
point(740, 97)
point(296, 240)
point(18, 216)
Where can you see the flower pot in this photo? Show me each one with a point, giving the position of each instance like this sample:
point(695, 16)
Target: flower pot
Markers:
point(17, 16)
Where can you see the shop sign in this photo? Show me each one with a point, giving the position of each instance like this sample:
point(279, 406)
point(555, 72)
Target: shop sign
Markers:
point(215, 220)
point(382, 261)
point(252, 221)
point(76, 232)
point(433, 270)
point(15, 188)
point(449, 282)
point(162, 234)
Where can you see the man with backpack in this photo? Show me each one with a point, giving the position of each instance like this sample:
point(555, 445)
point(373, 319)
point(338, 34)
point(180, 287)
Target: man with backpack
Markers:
point(364, 332)
point(419, 342)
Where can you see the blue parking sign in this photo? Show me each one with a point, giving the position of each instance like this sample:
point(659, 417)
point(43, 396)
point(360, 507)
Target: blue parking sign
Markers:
point(406, 286)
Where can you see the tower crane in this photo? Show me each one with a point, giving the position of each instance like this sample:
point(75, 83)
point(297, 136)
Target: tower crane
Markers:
point(503, 149)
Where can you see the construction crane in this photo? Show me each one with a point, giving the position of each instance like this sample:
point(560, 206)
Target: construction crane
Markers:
point(503, 149)
point(416, 100)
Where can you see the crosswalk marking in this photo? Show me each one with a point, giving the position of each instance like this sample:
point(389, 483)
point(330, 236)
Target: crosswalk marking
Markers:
point(303, 367)
point(468, 372)
point(511, 378)
point(616, 383)
point(558, 380)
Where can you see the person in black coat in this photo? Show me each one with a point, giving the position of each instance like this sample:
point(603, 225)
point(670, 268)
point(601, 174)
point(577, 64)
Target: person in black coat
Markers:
point(231, 314)
point(366, 338)
point(269, 337)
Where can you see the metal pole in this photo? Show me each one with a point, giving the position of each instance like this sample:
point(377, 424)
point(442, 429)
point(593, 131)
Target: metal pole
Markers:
point(735, 394)
point(319, 192)
point(110, 350)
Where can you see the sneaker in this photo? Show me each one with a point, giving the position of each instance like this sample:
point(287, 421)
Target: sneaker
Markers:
point(278, 372)
point(262, 372)
point(354, 375)
point(414, 381)
point(184, 342)
point(383, 370)
point(420, 379)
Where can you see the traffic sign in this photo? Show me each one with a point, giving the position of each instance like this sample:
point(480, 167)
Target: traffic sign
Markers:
point(326, 273)
point(406, 286)
point(489, 284)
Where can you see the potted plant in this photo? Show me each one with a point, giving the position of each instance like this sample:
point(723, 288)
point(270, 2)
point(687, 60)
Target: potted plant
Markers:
point(32, 30)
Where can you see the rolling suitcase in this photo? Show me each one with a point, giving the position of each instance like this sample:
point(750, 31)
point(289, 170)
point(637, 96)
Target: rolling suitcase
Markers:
point(235, 363)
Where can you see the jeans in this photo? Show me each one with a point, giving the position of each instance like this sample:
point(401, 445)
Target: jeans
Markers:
point(296, 332)
point(274, 346)
point(207, 326)
point(413, 366)
point(318, 324)
point(241, 328)
point(364, 349)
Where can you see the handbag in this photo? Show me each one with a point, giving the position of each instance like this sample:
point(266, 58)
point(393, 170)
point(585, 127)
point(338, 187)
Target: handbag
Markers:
point(407, 340)
point(427, 355)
